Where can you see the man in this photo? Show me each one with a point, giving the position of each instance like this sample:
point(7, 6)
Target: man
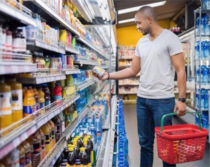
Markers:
point(157, 54)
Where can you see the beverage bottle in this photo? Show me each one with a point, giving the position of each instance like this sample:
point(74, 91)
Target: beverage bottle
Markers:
point(202, 26)
point(41, 99)
point(58, 130)
point(52, 125)
point(46, 91)
point(69, 80)
point(207, 49)
point(202, 74)
point(206, 100)
point(205, 75)
point(21, 156)
point(98, 125)
point(7, 161)
point(197, 50)
point(35, 142)
point(27, 148)
point(43, 152)
point(57, 91)
point(206, 25)
point(83, 156)
point(47, 132)
point(203, 56)
point(76, 148)
point(198, 73)
point(17, 98)
point(92, 148)
point(29, 104)
point(15, 158)
point(202, 98)
point(88, 151)
point(5, 107)
point(61, 116)
point(71, 157)
point(65, 161)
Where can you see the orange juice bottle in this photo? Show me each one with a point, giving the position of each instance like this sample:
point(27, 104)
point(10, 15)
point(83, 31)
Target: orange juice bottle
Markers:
point(47, 132)
point(29, 104)
point(52, 126)
point(42, 143)
point(17, 99)
point(36, 98)
point(41, 99)
point(5, 105)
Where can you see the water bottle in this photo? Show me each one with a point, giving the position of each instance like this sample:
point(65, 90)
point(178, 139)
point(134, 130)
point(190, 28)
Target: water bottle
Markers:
point(98, 126)
point(204, 120)
point(198, 75)
point(202, 26)
point(205, 75)
point(203, 56)
point(202, 99)
point(207, 49)
point(206, 100)
point(197, 51)
point(206, 25)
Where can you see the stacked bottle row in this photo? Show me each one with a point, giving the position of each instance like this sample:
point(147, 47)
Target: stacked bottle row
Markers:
point(205, 50)
point(202, 25)
point(203, 74)
point(122, 144)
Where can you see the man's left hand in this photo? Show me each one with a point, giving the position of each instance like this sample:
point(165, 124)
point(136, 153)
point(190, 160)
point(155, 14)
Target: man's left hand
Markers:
point(180, 108)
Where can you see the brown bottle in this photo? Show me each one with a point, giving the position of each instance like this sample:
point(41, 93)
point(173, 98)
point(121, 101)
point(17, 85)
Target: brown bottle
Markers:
point(21, 156)
point(58, 126)
point(52, 125)
point(7, 161)
point(27, 147)
point(43, 152)
point(35, 142)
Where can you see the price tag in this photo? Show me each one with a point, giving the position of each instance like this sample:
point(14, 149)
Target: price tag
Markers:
point(16, 142)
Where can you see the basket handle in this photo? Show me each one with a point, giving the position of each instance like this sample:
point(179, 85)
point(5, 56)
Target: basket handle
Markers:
point(175, 113)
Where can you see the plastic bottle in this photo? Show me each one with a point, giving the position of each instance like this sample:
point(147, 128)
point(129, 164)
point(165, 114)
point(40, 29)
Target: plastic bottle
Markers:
point(98, 126)
point(17, 99)
point(46, 91)
point(205, 75)
point(15, 158)
point(202, 26)
point(203, 50)
point(52, 125)
point(5, 107)
point(206, 100)
point(61, 116)
point(83, 156)
point(65, 161)
point(47, 132)
point(57, 91)
point(41, 99)
point(7, 161)
point(88, 151)
point(202, 98)
point(35, 142)
point(21, 156)
point(206, 25)
point(27, 147)
point(207, 49)
point(71, 157)
point(197, 50)
point(198, 75)
point(69, 80)
point(29, 104)
point(58, 126)
point(36, 98)
point(43, 152)
point(90, 143)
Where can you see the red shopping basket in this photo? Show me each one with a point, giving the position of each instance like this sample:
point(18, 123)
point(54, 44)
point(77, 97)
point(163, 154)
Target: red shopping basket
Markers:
point(180, 143)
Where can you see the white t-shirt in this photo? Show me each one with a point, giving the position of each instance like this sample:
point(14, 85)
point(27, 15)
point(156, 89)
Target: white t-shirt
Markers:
point(157, 71)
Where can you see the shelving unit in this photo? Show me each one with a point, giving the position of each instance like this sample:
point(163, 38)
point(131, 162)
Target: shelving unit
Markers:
point(85, 62)
point(85, 84)
point(71, 71)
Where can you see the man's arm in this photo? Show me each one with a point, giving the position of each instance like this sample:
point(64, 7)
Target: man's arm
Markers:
point(126, 73)
point(178, 62)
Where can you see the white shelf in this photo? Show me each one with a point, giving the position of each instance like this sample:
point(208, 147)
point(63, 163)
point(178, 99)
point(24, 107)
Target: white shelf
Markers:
point(129, 85)
point(31, 124)
point(101, 87)
point(85, 62)
point(72, 50)
point(43, 45)
point(85, 84)
point(56, 151)
point(17, 14)
point(43, 7)
point(92, 47)
point(129, 93)
point(42, 79)
point(71, 71)
point(12, 67)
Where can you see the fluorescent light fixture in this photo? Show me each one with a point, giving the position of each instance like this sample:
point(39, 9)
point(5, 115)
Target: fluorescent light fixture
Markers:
point(126, 21)
point(133, 9)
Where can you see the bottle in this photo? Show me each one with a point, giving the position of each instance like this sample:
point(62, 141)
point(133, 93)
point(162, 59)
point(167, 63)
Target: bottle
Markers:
point(17, 99)
point(52, 125)
point(5, 107)
point(15, 158)
point(21, 156)
point(46, 91)
point(27, 148)
point(35, 142)
point(206, 25)
point(99, 71)
point(84, 157)
point(197, 50)
point(61, 116)
point(205, 75)
point(203, 56)
point(207, 49)
point(202, 26)
point(88, 151)
point(7, 161)
point(92, 149)
point(65, 161)
point(36, 98)
point(206, 100)
point(47, 132)
point(58, 131)
point(29, 104)
point(98, 126)
point(57, 91)
point(198, 71)
point(43, 152)
point(41, 99)
point(71, 157)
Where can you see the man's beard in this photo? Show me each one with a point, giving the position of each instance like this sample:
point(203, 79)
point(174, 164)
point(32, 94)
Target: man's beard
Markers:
point(146, 30)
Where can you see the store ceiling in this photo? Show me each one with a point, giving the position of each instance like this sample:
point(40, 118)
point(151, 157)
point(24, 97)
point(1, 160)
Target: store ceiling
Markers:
point(167, 11)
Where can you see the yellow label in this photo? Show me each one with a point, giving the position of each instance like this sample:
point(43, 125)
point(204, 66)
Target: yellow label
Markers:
point(92, 160)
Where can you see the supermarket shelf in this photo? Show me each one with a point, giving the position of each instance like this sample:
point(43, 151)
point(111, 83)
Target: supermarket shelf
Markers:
point(42, 79)
point(30, 124)
point(85, 84)
point(101, 87)
point(129, 58)
point(39, 44)
point(17, 14)
point(71, 50)
point(129, 101)
point(55, 153)
point(92, 47)
point(129, 93)
point(129, 85)
point(71, 71)
point(54, 16)
point(11, 68)
point(85, 62)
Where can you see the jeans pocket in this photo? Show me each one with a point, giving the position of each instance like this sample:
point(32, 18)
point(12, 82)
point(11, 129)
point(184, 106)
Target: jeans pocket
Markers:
point(166, 101)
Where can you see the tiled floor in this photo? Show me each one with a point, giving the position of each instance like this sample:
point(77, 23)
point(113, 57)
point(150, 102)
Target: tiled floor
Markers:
point(134, 148)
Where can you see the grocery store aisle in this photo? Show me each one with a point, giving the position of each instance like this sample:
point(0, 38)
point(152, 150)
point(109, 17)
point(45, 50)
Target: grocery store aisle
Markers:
point(134, 148)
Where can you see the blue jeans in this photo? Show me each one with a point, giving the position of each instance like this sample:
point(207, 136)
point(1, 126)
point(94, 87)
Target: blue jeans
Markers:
point(149, 114)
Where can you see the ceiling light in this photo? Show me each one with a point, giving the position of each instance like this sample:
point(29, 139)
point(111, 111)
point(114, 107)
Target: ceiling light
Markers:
point(125, 21)
point(133, 9)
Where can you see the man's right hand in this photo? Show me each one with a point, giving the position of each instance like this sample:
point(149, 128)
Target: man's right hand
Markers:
point(104, 77)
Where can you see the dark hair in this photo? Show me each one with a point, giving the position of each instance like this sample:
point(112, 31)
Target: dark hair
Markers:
point(148, 12)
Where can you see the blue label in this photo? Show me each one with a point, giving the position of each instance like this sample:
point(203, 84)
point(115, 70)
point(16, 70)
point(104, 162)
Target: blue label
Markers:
point(37, 106)
point(41, 105)
point(57, 98)
point(47, 103)
point(27, 110)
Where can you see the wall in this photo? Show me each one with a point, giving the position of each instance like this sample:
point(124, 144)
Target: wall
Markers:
point(129, 35)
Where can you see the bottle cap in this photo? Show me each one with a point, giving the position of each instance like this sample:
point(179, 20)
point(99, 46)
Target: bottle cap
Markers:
point(82, 149)
point(71, 149)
